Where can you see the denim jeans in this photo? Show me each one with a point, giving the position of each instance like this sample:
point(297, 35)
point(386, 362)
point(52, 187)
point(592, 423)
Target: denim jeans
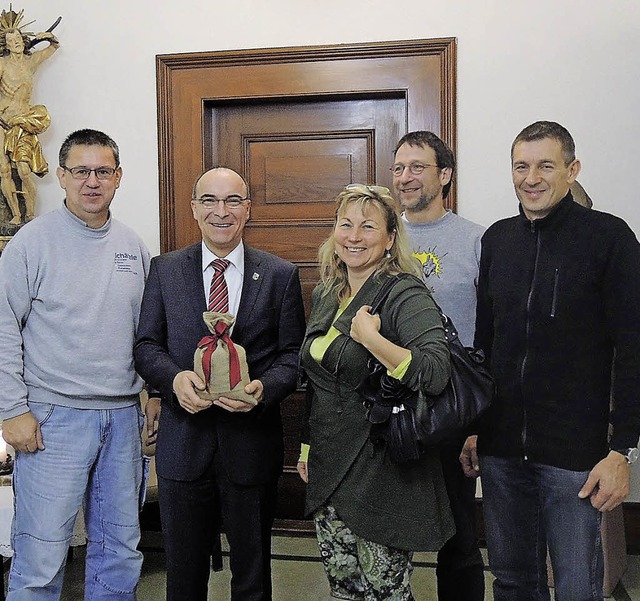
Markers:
point(91, 458)
point(527, 507)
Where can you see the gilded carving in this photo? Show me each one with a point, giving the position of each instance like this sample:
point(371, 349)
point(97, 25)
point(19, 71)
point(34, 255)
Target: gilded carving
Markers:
point(21, 121)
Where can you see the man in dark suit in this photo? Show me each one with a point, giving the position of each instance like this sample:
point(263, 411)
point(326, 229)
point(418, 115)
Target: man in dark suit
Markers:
point(225, 451)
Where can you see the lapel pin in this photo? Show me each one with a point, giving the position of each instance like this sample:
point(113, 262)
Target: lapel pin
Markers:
point(256, 276)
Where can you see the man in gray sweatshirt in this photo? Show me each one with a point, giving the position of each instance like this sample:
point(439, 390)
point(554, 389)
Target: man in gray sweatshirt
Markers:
point(448, 247)
point(71, 284)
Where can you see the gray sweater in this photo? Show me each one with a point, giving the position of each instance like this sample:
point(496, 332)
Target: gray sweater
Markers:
point(449, 251)
point(69, 303)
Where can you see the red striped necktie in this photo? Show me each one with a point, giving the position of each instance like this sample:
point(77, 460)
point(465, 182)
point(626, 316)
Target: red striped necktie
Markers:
point(219, 293)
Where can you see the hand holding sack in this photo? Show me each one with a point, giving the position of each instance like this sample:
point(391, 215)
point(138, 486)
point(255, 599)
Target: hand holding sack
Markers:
point(221, 364)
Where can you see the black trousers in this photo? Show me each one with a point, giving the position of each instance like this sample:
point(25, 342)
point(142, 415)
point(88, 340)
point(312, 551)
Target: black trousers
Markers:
point(460, 568)
point(194, 513)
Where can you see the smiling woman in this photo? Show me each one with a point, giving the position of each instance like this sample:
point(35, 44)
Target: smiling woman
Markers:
point(361, 240)
point(352, 484)
point(367, 236)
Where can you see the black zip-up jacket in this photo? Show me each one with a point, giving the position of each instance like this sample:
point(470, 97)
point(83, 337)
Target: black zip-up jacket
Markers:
point(558, 313)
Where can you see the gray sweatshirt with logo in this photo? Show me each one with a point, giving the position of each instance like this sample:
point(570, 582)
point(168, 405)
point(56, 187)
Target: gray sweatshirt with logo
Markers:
point(69, 303)
point(449, 252)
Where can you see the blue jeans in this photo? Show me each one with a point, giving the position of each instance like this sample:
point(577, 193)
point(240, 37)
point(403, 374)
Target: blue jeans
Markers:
point(527, 507)
point(91, 458)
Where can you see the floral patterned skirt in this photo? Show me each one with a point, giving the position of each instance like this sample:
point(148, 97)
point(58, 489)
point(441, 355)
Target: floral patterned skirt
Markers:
point(358, 569)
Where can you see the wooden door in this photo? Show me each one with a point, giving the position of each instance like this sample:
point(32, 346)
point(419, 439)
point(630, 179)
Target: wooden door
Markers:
point(299, 124)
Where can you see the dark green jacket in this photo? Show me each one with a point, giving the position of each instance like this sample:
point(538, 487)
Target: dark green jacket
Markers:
point(400, 506)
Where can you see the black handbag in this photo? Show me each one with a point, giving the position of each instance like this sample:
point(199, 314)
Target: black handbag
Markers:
point(409, 421)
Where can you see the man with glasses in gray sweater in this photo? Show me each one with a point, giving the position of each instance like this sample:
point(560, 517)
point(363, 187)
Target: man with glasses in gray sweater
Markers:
point(448, 247)
point(71, 284)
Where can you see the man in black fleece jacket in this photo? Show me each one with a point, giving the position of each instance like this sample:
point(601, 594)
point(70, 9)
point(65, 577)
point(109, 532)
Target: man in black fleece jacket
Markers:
point(559, 318)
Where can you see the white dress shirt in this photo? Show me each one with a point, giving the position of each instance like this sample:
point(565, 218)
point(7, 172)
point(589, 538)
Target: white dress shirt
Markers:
point(233, 274)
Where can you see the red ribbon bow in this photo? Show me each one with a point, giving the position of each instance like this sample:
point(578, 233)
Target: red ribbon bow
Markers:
point(210, 343)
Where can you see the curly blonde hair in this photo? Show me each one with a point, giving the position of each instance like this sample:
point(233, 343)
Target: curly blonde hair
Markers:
point(398, 259)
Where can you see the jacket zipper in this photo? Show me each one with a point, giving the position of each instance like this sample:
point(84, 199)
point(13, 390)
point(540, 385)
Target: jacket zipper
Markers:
point(554, 298)
point(536, 232)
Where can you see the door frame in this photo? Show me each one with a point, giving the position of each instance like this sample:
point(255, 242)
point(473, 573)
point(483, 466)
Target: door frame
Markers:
point(186, 81)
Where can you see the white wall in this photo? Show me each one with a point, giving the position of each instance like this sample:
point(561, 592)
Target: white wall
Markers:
point(576, 62)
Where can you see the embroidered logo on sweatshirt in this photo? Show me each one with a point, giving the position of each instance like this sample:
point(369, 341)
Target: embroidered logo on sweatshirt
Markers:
point(126, 263)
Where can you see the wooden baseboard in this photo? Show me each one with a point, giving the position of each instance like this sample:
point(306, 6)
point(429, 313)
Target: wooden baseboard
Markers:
point(150, 520)
point(294, 528)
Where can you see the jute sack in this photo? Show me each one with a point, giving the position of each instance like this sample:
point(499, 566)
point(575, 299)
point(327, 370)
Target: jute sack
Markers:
point(220, 363)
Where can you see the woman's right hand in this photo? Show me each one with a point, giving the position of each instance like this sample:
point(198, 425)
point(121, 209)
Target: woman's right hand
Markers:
point(302, 470)
point(364, 326)
point(365, 329)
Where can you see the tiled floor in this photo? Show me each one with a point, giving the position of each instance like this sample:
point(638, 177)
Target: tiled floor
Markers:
point(298, 575)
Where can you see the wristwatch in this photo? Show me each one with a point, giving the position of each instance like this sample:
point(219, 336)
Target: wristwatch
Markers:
point(631, 455)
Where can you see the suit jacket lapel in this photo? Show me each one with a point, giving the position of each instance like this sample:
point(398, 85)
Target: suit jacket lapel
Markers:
point(251, 285)
point(193, 279)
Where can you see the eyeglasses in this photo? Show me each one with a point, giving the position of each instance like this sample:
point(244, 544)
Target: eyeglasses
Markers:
point(210, 202)
point(414, 168)
point(85, 173)
point(380, 190)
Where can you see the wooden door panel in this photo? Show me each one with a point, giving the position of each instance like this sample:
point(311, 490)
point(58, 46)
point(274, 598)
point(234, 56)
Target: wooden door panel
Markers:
point(308, 279)
point(297, 242)
point(299, 124)
point(296, 178)
point(300, 152)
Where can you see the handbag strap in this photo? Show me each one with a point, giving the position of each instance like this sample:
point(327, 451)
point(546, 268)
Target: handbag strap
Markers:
point(450, 331)
point(383, 293)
